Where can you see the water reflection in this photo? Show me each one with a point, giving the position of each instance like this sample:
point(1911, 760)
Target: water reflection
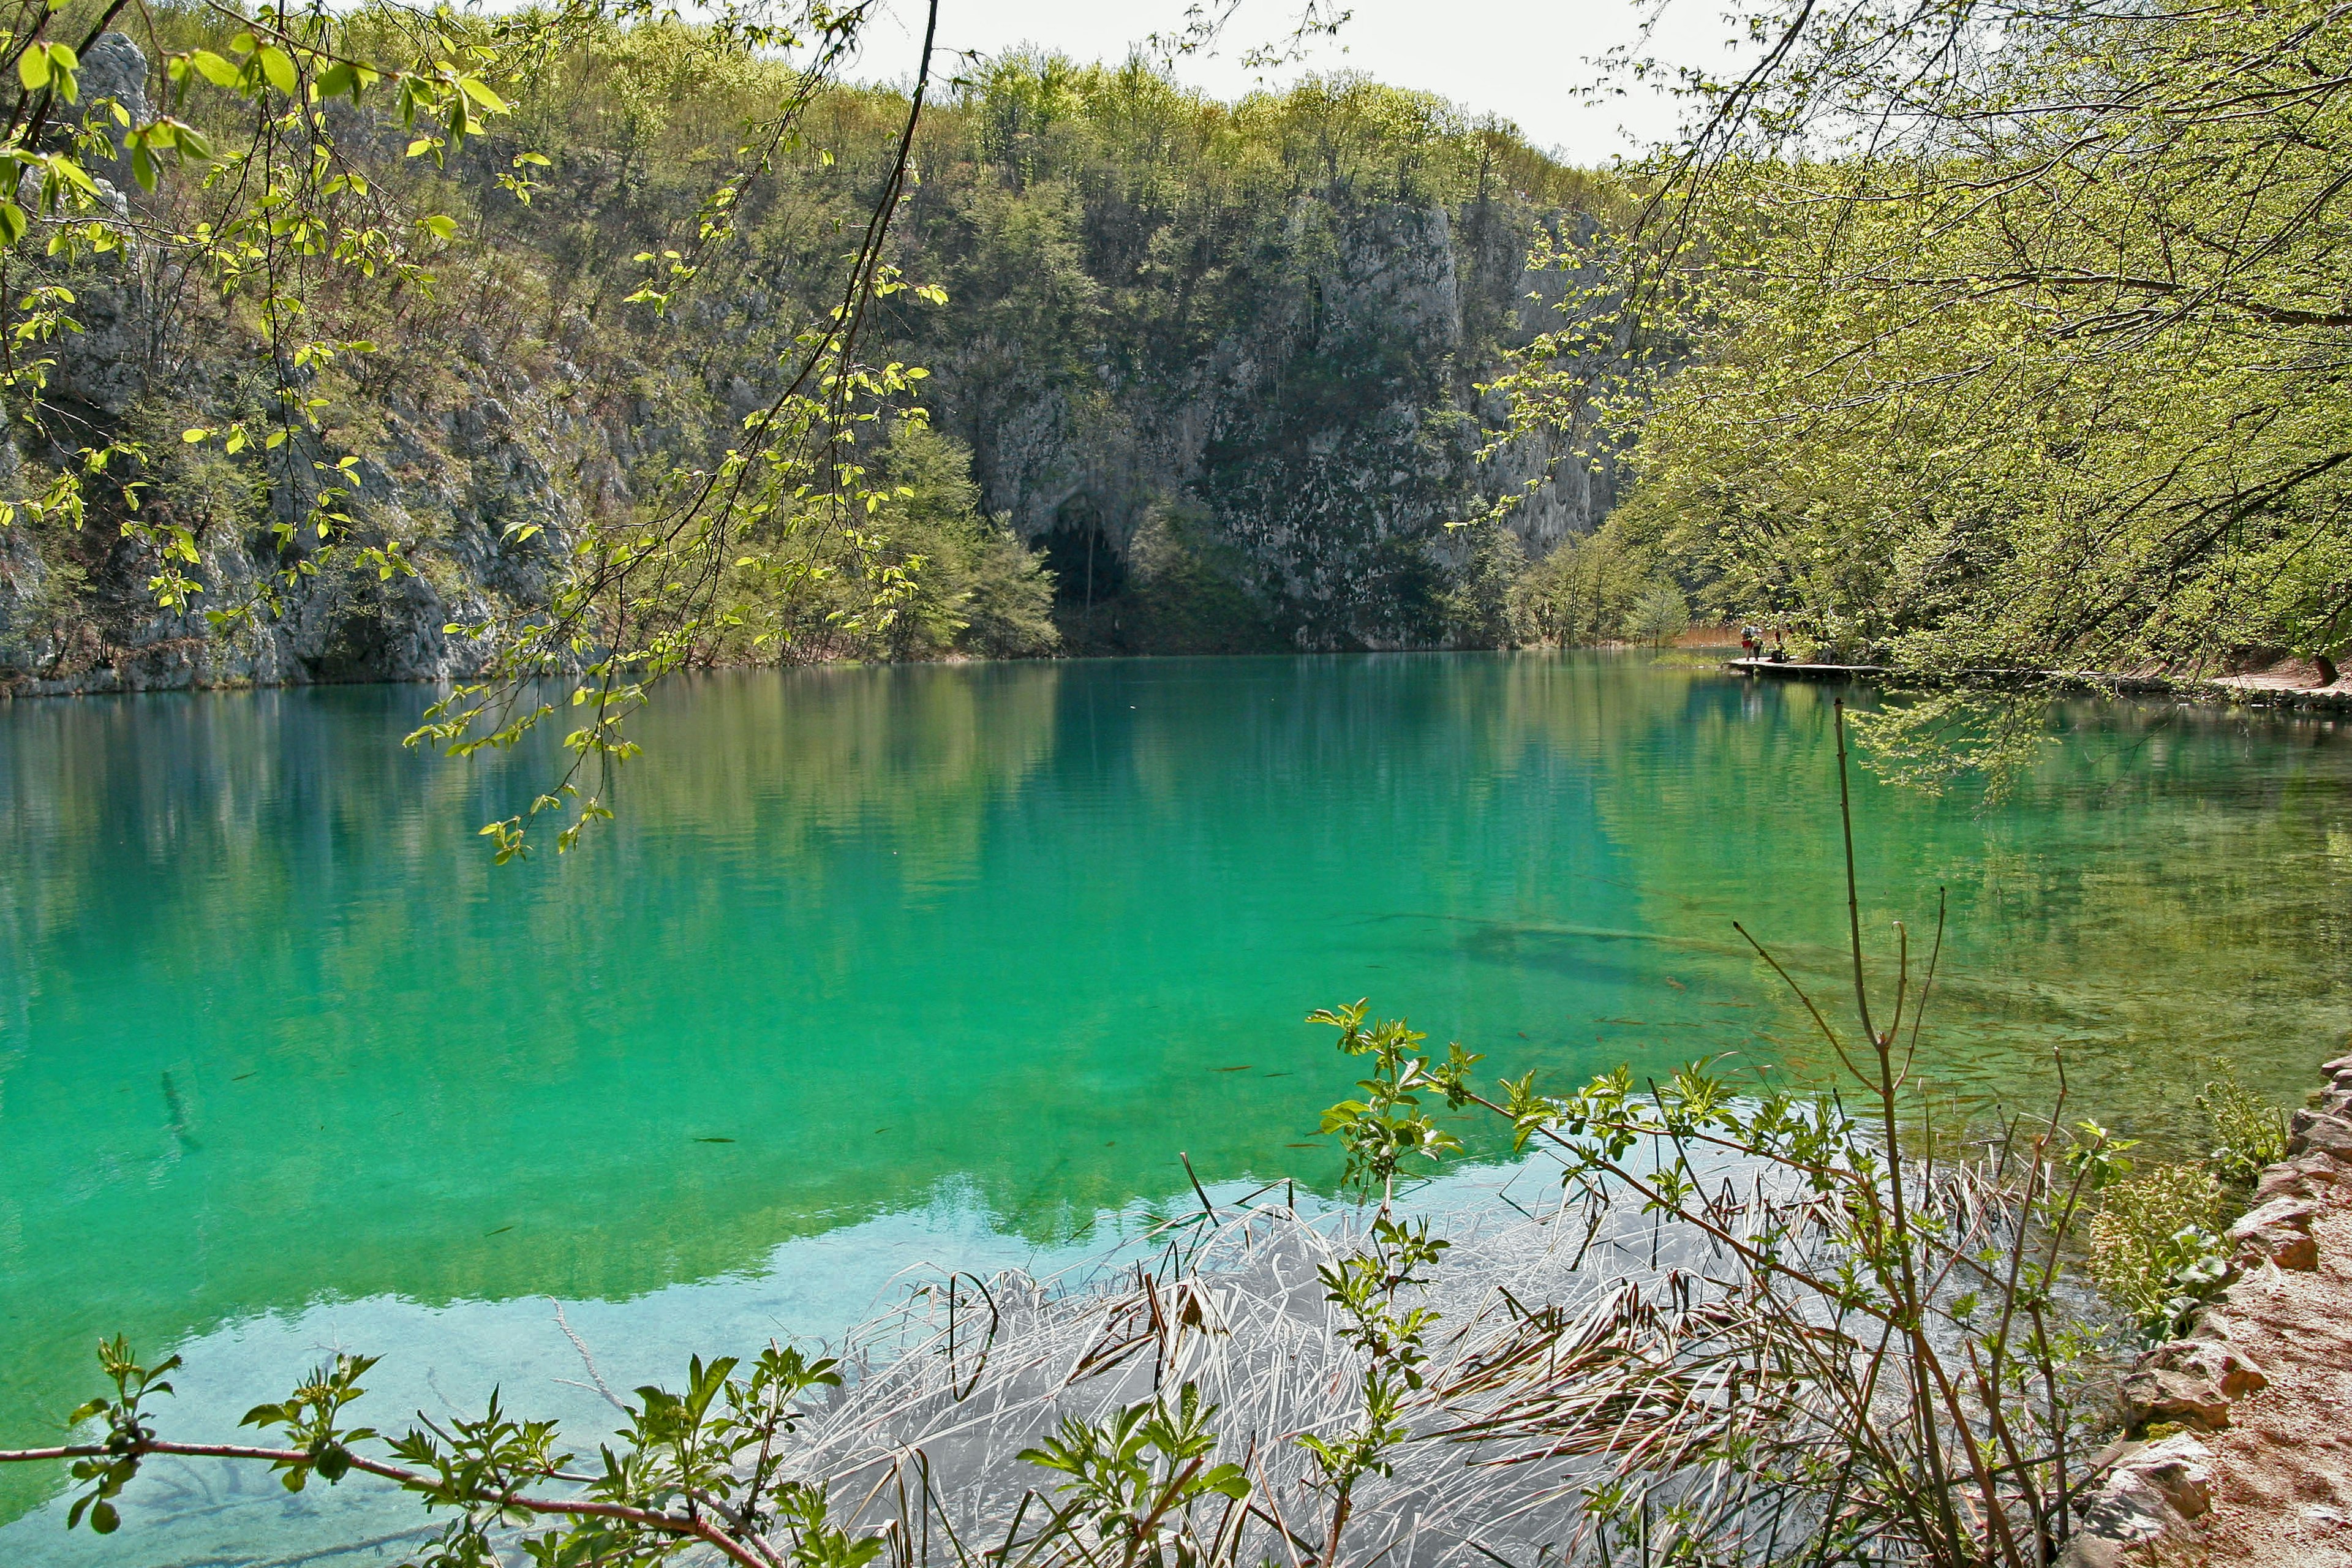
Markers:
point(273, 1033)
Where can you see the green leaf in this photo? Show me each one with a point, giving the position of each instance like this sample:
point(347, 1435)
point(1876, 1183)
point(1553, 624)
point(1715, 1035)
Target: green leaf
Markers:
point(278, 67)
point(1228, 1479)
point(11, 223)
point(103, 1519)
point(33, 70)
point(214, 69)
point(479, 91)
point(441, 224)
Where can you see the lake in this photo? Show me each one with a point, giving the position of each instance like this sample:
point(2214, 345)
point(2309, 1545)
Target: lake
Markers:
point(887, 966)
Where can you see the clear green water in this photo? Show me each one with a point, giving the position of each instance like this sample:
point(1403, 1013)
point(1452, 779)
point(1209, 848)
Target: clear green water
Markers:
point(958, 959)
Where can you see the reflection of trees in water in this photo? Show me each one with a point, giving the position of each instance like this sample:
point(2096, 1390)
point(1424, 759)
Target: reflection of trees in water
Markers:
point(296, 800)
point(174, 788)
point(919, 752)
point(2158, 894)
point(369, 1019)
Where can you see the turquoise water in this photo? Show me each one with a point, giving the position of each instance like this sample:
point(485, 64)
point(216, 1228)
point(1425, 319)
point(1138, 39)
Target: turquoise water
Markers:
point(881, 965)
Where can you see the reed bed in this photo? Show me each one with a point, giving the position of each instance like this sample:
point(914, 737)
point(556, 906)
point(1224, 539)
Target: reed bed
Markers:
point(1573, 1350)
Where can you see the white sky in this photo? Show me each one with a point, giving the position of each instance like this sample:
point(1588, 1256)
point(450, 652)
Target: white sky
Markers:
point(1525, 59)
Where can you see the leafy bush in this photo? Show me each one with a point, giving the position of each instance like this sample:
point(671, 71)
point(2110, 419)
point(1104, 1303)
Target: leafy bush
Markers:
point(976, 587)
point(2249, 1131)
point(1475, 606)
point(1134, 1477)
point(1188, 589)
point(1594, 590)
point(1660, 615)
point(2153, 1250)
point(927, 575)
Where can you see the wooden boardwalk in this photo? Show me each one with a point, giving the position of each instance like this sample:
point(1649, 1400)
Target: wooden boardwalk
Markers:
point(1789, 669)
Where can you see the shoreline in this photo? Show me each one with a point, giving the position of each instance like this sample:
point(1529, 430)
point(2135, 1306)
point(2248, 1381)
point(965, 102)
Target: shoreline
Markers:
point(2250, 691)
point(29, 690)
point(2228, 1455)
point(2221, 690)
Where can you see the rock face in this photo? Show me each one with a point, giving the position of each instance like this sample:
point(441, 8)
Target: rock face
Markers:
point(2161, 1394)
point(2212, 1361)
point(482, 499)
point(2317, 1132)
point(2150, 1494)
point(2304, 1178)
point(1329, 436)
point(2277, 1232)
point(115, 68)
point(454, 482)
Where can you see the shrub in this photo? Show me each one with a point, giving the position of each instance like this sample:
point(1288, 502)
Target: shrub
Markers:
point(2153, 1250)
point(1660, 615)
point(1190, 590)
point(1476, 606)
point(2248, 1132)
point(1594, 590)
point(976, 587)
point(1579, 593)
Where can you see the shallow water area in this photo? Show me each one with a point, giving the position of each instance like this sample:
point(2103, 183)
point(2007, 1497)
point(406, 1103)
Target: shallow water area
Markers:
point(892, 965)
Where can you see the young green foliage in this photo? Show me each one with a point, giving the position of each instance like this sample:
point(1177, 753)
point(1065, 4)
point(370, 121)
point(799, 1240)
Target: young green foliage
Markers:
point(698, 1470)
point(2155, 1245)
point(1387, 1124)
point(128, 1431)
point(1921, 367)
point(1135, 1476)
point(2249, 1131)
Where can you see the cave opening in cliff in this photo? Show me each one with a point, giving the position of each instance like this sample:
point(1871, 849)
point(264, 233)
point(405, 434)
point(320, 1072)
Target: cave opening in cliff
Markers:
point(1087, 567)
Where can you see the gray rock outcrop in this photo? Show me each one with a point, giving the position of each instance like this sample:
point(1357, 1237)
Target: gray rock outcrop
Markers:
point(2150, 1494)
